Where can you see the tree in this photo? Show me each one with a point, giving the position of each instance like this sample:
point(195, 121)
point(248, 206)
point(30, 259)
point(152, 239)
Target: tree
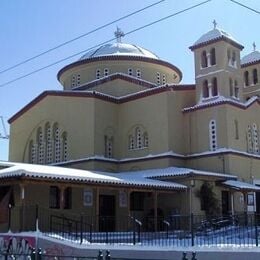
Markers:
point(208, 199)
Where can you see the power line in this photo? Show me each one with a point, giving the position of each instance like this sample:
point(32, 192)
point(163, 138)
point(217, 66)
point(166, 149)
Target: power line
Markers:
point(5, 135)
point(245, 6)
point(79, 37)
point(100, 44)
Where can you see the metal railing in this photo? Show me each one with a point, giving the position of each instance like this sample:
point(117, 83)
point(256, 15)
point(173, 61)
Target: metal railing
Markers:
point(177, 230)
point(41, 255)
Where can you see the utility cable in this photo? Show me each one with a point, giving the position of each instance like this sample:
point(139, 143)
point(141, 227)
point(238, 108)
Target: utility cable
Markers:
point(245, 6)
point(80, 36)
point(98, 45)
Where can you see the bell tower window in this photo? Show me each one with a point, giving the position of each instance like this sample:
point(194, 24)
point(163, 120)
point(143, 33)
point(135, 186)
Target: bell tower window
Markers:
point(204, 60)
point(231, 91)
point(255, 77)
point(214, 87)
point(212, 57)
point(246, 78)
point(205, 89)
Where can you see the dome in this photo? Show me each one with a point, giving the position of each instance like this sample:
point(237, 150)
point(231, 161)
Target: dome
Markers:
point(119, 49)
point(251, 58)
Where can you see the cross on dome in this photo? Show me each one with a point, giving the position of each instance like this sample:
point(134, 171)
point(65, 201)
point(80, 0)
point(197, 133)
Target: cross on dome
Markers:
point(254, 46)
point(215, 24)
point(119, 34)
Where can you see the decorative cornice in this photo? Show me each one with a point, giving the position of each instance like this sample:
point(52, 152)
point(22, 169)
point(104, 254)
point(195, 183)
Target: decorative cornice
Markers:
point(222, 102)
point(167, 155)
point(121, 58)
point(221, 38)
point(95, 94)
point(244, 65)
point(115, 76)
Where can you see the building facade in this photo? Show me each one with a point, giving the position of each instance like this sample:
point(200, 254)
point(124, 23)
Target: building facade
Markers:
point(124, 112)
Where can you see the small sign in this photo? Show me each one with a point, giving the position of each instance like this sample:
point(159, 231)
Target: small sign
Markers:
point(88, 197)
point(122, 199)
point(250, 199)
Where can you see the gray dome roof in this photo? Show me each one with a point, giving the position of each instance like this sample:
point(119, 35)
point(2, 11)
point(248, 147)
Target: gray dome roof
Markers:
point(119, 49)
point(251, 58)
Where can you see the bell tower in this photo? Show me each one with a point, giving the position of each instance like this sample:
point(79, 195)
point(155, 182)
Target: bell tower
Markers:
point(217, 66)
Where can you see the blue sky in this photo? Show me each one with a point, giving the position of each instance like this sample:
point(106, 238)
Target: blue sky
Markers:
point(29, 27)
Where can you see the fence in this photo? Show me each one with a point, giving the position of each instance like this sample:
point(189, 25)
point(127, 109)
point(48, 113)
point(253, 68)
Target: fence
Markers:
point(178, 230)
point(41, 255)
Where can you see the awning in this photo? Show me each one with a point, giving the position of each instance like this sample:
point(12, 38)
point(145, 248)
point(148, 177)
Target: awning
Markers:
point(240, 186)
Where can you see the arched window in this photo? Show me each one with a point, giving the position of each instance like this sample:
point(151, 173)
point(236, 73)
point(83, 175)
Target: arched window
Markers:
point(130, 71)
point(205, 89)
point(214, 87)
point(108, 146)
point(204, 61)
point(138, 73)
point(64, 147)
point(229, 57)
point(233, 60)
point(212, 135)
point(255, 139)
point(73, 81)
point(212, 57)
point(236, 90)
point(106, 72)
point(255, 77)
point(246, 78)
point(32, 153)
point(231, 87)
point(48, 139)
point(236, 129)
point(78, 79)
point(49, 145)
point(138, 135)
point(249, 140)
point(40, 146)
point(131, 143)
point(57, 143)
point(146, 141)
point(138, 139)
point(163, 79)
point(158, 78)
point(98, 74)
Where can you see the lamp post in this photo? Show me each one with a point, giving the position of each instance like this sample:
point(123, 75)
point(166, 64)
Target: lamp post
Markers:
point(192, 184)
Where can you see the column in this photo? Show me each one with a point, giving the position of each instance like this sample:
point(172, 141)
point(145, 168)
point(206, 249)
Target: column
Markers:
point(97, 209)
point(62, 189)
point(232, 203)
point(155, 210)
point(22, 212)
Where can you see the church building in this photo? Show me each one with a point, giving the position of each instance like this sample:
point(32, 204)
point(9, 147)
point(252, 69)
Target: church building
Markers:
point(126, 137)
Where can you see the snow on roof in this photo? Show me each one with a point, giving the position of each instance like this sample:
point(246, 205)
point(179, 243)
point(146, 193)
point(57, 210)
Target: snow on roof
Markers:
point(220, 100)
point(122, 49)
point(69, 174)
point(215, 34)
point(171, 172)
point(239, 185)
point(250, 58)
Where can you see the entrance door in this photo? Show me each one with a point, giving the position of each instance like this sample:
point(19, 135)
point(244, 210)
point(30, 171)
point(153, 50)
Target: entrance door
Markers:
point(257, 195)
point(225, 202)
point(106, 213)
